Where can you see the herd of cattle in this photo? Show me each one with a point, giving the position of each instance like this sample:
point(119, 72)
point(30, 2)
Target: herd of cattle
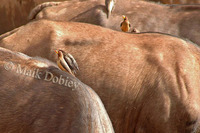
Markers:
point(147, 82)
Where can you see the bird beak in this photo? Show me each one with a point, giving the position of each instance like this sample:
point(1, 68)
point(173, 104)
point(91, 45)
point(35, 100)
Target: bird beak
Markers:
point(56, 51)
point(123, 16)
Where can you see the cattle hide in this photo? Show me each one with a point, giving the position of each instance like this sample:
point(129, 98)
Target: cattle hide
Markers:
point(178, 1)
point(178, 20)
point(37, 97)
point(148, 82)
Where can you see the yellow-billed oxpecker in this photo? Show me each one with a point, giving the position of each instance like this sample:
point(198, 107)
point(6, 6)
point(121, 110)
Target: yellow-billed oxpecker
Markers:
point(66, 62)
point(125, 25)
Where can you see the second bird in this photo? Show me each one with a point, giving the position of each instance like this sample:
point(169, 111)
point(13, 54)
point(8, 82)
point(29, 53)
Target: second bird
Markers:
point(110, 4)
point(125, 25)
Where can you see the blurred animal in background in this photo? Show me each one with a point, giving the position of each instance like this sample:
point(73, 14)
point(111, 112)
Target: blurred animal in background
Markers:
point(41, 7)
point(145, 16)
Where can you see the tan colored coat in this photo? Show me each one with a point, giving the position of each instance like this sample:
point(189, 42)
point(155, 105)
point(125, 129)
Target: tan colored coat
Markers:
point(178, 20)
point(148, 82)
point(33, 101)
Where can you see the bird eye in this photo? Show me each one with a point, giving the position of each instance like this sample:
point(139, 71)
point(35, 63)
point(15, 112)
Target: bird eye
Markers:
point(59, 54)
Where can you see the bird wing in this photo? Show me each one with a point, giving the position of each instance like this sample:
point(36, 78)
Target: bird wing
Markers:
point(74, 63)
point(69, 62)
point(65, 65)
point(129, 25)
point(121, 24)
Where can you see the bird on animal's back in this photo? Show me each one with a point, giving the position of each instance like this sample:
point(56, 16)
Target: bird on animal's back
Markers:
point(125, 25)
point(66, 62)
point(110, 4)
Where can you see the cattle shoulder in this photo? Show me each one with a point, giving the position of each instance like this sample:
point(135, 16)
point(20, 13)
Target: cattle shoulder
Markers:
point(39, 105)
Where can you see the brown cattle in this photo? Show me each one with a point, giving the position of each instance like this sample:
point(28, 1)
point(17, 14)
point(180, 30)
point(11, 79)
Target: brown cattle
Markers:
point(178, 1)
point(179, 20)
point(148, 82)
point(37, 97)
point(14, 13)
point(68, 10)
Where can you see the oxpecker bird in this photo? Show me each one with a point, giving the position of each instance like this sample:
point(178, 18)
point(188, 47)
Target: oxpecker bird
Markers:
point(125, 25)
point(110, 4)
point(66, 62)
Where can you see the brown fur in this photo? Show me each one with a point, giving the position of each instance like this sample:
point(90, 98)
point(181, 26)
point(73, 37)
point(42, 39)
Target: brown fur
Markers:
point(32, 105)
point(14, 13)
point(67, 10)
point(178, 1)
point(144, 16)
point(149, 82)
point(40, 7)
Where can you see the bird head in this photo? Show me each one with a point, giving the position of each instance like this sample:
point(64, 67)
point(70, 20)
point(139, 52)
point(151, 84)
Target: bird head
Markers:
point(124, 17)
point(59, 53)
